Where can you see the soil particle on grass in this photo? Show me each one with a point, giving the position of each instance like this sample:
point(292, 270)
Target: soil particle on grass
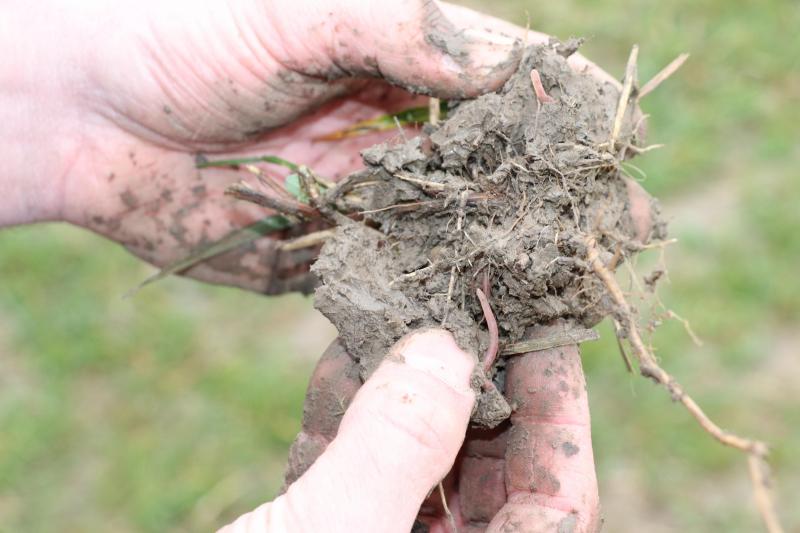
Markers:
point(502, 195)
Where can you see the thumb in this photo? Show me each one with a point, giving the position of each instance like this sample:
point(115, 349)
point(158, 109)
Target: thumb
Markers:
point(413, 44)
point(399, 438)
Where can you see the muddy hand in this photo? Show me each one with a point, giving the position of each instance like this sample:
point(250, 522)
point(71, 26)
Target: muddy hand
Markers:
point(534, 473)
point(106, 105)
point(397, 439)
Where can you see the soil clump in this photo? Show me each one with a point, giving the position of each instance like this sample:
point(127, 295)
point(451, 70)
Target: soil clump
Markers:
point(501, 196)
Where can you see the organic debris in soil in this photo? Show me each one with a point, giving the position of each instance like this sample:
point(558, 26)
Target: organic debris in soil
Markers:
point(501, 196)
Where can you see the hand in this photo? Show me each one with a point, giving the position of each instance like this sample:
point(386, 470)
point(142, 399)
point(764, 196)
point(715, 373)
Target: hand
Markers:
point(106, 105)
point(533, 473)
point(402, 432)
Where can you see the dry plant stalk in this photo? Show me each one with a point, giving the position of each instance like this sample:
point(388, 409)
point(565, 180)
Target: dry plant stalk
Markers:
point(624, 97)
point(665, 73)
point(309, 240)
point(242, 191)
point(649, 368)
point(434, 111)
point(756, 451)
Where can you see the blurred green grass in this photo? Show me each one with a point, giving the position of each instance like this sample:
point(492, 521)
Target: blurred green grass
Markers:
point(131, 411)
point(174, 410)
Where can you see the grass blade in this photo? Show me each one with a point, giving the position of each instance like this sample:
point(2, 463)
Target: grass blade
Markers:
point(275, 160)
point(292, 186)
point(414, 116)
point(232, 240)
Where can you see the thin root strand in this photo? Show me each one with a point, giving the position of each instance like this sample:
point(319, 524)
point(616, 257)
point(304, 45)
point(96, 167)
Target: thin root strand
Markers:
point(649, 367)
point(450, 518)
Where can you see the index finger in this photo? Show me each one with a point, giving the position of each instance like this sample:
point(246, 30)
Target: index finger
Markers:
point(549, 465)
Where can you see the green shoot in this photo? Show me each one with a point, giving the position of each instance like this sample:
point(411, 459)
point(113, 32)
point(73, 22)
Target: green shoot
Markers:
point(415, 116)
point(292, 186)
point(275, 160)
point(232, 240)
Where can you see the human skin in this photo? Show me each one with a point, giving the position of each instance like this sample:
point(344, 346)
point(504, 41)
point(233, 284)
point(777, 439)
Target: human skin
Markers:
point(533, 473)
point(105, 107)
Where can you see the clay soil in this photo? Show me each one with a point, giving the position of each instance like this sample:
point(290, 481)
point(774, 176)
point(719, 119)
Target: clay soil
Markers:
point(501, 196)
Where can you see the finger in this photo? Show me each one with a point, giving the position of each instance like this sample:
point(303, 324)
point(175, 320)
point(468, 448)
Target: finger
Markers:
point(549, 467)
point(466, 17)
point(399, 437)
point(410, 43)
point(481, 485)
point(641, 210)
point(475, 487)
point(332, 387)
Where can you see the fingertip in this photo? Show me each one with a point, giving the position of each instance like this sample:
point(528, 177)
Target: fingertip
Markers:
point(472, 59)
point(640, 211)
point(436, 353)
point(398, 438)
point(428, 54)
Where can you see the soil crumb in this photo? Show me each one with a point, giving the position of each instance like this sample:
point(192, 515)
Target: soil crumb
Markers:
point(500, 196)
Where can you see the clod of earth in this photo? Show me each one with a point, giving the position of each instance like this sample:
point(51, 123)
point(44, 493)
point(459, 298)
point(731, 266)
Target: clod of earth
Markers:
point(498, 199)
point(515, 211)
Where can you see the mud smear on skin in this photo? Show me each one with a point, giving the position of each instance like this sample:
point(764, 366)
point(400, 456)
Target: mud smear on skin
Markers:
point(501, 195)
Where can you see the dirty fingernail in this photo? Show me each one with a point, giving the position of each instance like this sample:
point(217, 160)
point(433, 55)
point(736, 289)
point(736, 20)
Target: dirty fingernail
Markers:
point(436, 353)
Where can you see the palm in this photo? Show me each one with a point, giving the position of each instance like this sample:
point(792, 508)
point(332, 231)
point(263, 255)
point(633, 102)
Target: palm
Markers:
point(150, 197)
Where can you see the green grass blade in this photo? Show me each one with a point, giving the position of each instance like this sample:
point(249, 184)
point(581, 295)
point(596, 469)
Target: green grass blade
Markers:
point(292, 186)
point(414, 116)
point(232, 240)
point(275, 160)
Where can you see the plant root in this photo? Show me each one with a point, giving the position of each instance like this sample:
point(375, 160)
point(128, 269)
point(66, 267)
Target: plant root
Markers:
point(756, 451)
point(434, 111)
point(450, 518)
point(665, 73)
point(242, 191)
point(309, 240)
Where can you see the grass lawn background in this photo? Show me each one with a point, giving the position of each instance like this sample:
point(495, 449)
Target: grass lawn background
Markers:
point(174, 410)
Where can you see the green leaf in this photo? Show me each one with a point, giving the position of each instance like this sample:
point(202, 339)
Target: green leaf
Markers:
point(232, 240)
point(292, 186)
point(203, 163)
